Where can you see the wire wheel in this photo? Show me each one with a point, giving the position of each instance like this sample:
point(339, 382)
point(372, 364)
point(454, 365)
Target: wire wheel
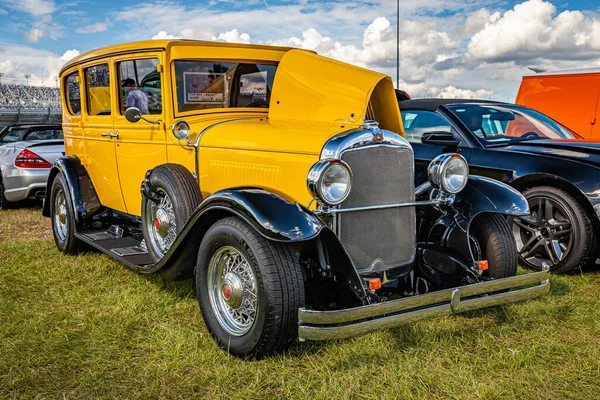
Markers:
point(61, 227)
point(546, 235)
point(161, 222)
point(232, 290)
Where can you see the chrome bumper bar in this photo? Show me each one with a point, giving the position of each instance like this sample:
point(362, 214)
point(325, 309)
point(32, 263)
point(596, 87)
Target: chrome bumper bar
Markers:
point(341, 324)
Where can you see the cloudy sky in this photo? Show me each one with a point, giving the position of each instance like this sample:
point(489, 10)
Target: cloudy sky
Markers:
point(451, 48)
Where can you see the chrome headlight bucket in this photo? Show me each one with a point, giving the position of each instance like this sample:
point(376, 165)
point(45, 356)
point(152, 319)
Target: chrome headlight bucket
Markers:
point(180, 129)
point(330, 181)
point(448, 172)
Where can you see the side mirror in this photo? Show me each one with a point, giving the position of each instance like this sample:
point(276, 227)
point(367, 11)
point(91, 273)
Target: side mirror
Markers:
point(440, 139)
point(133, 114)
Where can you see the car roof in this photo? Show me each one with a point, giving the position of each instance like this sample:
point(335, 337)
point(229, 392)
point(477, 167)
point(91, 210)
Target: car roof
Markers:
point(433, 104)
point(158, 45)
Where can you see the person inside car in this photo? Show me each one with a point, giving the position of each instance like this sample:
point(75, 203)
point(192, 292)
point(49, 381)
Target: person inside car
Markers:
point(135, 97)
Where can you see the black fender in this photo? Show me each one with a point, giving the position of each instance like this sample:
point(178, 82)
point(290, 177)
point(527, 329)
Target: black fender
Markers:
point(84, 199)
point(274, 217)
point(450, 224)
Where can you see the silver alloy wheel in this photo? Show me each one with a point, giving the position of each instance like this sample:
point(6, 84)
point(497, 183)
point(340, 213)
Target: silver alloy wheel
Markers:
point(161, 223)
point(544, 236)
point(232, 291)
point(60, 215)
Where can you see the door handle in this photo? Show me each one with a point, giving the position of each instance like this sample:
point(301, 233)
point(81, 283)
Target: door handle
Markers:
point(114, 135)
point(106, 134)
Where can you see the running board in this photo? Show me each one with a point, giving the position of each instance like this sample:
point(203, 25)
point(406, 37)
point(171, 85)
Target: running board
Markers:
point(125, 249)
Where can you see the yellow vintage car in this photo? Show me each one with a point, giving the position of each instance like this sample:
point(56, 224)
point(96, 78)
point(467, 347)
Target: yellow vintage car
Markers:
point(282, 182)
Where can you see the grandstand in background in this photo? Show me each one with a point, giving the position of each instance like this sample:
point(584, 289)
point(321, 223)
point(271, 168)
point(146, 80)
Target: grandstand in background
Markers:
point(22, 104)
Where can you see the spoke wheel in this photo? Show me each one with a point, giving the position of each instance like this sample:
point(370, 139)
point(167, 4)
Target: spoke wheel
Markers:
point(160, 217)
point(232, 290)
point(61, 225)
point(249, 289)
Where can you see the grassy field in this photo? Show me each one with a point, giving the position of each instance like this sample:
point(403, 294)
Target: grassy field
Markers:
point(86, 327)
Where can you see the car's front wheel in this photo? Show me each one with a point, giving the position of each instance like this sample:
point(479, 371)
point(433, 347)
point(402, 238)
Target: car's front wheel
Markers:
point(494, 242)
point(557, 232)
point(249, 290)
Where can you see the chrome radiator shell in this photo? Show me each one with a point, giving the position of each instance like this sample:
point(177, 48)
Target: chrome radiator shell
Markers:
point(382, 163)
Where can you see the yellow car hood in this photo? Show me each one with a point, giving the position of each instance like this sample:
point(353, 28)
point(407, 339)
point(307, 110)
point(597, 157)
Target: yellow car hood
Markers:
point(309, 87)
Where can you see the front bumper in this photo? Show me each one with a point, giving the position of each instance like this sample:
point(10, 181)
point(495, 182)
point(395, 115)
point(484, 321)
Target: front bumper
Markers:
point(341, 324)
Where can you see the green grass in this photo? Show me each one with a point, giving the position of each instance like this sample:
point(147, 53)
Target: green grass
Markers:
point(86, 327)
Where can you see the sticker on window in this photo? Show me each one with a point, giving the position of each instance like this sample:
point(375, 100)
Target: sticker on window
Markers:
point(205, 87)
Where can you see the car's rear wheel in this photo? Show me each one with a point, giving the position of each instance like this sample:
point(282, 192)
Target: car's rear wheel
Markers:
point(173, 196)
point(494, 242)
point(249, 290)
point(557, 232)
point(63, 217)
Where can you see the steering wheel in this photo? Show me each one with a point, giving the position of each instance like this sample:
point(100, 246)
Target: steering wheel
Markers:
point(530, 135)
point(258, 103)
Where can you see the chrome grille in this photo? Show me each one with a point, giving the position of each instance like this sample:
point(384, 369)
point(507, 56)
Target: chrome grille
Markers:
point(378, 240)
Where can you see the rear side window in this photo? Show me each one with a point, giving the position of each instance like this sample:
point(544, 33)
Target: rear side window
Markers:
point(46, 134)
point(204, 85)
point(13, 135)
point(418, 122)
point(140, 86)
point(72, 94)
point(98, 90)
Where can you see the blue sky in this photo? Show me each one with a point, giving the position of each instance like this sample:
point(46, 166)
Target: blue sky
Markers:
point(473, 48)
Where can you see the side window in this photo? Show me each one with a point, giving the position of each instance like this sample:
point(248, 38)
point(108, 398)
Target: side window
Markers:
point(98, 90)
point(202, 85)
point(47, 134)
point(13, 135)
point(418, 122)
point(72, 94)
point(140, 86)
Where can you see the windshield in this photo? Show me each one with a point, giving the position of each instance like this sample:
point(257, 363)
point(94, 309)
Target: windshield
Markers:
point(497, 124)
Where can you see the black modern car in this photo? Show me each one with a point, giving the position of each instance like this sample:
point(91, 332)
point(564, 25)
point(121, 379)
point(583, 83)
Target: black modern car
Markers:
point(557, 171)
point(17, 133)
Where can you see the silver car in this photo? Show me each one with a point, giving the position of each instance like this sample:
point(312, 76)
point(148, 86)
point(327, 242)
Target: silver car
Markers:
point(25, 164)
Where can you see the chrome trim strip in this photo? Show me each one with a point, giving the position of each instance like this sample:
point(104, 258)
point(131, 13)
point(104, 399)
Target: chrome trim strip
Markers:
point(444, 302)
point(331, 211)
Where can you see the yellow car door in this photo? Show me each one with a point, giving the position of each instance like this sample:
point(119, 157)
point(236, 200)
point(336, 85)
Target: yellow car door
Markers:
point(100, 135)
point(140, 146)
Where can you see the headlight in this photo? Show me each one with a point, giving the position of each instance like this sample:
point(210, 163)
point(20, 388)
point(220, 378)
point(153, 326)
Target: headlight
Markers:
point(180, 129)
point(448, 172)
point(330, 181)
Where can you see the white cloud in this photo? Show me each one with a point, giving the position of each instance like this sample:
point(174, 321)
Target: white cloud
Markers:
point(94, 28)
point(533, 30)
point(42, 66)
point(233, 36)
point(69, 54)
point(34, 35)
point(33, 7)
point(164, 35)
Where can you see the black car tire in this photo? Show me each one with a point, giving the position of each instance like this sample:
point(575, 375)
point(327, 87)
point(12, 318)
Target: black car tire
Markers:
point(579, 247)
point(277, 282)
point(63, 217)
point(496, 244)
point(175, 183)
point(3, 202)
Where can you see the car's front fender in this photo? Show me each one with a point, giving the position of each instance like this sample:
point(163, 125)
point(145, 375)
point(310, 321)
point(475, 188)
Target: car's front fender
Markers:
point(449, 227)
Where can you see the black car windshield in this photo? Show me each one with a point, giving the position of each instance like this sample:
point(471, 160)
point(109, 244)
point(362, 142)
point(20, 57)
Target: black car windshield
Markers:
point(502, 124)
